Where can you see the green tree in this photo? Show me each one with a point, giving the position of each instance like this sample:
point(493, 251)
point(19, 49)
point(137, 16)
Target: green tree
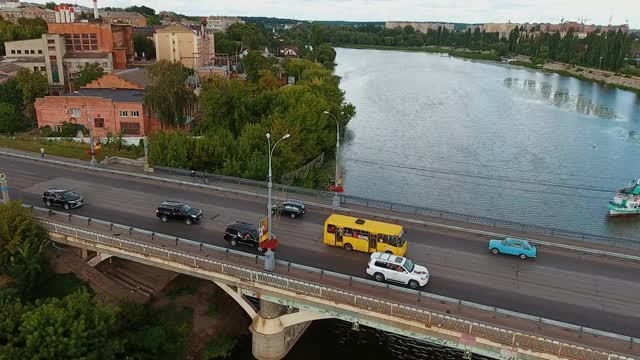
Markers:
point(144, 46)
point(88, 73)
point(168, 97)
point(10, 119)
point(153, 20)
point(33, 85)
point(143, 10)
point(253, 63)
point(11, 94)
point(50, 5)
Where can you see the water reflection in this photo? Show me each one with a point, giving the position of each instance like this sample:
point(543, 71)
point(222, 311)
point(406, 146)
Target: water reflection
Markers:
point(559, 97)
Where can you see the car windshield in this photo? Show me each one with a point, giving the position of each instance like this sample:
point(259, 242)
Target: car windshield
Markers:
point(185, 208)
point(68, 195)
point(408, 264)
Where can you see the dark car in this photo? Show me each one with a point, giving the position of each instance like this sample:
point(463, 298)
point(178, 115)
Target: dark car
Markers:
point(289, 208)
point(178, 210)
point(242, 233)
point(65, 198)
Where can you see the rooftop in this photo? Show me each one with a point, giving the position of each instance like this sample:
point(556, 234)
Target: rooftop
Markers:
point(117, 95)
point(137, 76)
point(119, 14)
point(86, 55)
point(9, 67)
point(23, 59)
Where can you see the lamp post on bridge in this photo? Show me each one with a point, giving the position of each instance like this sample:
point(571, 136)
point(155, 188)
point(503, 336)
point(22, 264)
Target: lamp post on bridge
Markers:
point(336, 198)
point(90, 126)
point(269, 263)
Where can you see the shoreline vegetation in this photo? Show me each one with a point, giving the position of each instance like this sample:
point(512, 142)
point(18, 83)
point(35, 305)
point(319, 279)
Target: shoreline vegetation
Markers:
point(607, 78)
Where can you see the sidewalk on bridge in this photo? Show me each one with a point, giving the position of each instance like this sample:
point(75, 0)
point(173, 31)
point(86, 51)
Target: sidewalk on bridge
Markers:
point(433, 223)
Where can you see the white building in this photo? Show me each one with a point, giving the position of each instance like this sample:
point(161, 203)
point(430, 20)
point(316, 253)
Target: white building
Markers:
point(9, 4)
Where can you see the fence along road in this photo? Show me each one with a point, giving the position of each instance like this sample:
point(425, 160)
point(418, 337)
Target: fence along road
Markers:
point(512, 329)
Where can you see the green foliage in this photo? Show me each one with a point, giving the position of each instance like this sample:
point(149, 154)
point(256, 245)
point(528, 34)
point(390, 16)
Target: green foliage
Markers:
point(11, 119)
point(213, 310)
point(236, 116)
point(153, 20)
point(226, 45)
point(50, 5)
point(143, 10)
point(168, 96)
point(182, 289)
point(32, 85)
point(219, 348)
point(87, 74)
point(67, 130)
point(25, 29)
point(253, 63)
point(251, 36)
point(144, 45)
point(22, 241)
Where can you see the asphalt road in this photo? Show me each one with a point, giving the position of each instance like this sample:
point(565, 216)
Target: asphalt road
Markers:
point(597, 293)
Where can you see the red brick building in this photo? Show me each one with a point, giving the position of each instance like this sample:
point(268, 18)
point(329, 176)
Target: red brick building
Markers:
point(107, 111)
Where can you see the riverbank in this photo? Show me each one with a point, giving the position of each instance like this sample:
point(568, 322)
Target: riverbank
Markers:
point(606, 78)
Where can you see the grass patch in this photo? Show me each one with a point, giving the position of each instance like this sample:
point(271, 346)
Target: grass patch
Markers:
point(68, 149)
point(219, 348)
point(213, 311)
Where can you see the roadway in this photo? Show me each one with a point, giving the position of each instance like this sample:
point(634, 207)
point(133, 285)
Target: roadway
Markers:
point(599, 293)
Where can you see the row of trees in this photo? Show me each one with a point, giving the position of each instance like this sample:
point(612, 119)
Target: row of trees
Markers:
point(75, 325)
point(16, 100)
point(606, 50)
point(236, 115)
point(25, 29)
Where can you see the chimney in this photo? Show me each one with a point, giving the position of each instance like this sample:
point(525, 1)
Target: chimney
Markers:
point(57, 14)
point(95, 9)
point(73, 14)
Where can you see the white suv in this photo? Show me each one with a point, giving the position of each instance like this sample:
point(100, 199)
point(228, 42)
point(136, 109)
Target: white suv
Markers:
point(392, 268)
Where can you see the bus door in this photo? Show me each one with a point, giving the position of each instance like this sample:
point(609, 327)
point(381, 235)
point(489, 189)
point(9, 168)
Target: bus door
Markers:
point(373, 243)
point(338, 237)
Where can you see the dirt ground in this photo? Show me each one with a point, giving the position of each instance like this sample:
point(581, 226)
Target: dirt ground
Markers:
point(230, 319)
point(5, 281)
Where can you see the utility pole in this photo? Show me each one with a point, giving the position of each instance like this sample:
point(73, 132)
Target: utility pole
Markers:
point(336, 198)
point(269, 263)
point(4, 187)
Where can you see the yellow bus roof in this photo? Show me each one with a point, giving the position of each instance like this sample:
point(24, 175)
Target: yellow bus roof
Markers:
point(375, 227)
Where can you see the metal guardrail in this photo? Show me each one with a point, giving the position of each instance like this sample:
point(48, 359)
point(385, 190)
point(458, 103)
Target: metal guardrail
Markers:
point(505, 336)
point(415, 210)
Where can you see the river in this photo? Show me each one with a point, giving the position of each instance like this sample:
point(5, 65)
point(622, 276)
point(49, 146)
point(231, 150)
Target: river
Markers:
point(488, 139)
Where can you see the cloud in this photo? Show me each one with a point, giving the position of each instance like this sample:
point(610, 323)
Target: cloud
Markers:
point(468, 11)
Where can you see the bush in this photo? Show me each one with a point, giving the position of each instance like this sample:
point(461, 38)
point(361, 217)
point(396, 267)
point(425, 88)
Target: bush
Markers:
point(219, 347)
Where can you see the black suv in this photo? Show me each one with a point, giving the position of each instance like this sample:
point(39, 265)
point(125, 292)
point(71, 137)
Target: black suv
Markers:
point(289, 208)
point(178, 210)
point(65, 198)
point(242, 233)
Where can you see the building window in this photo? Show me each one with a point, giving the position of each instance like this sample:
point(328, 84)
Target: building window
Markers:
point(13, 51)
point(39, 51)
point(33, 51)
point(135, 113)
point(98, 122)
point(130, 128)
point(51, 41)
point(19, 51)
point(74, 112)
point(124, 113)
point(52, 48)
point(53, 58)
point(57, 128)
point(43, 68)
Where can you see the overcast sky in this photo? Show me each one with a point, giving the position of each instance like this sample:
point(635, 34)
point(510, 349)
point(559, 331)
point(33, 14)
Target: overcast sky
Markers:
point(467, 11)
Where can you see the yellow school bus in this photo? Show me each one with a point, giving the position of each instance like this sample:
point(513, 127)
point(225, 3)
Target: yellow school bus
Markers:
point(369, 236)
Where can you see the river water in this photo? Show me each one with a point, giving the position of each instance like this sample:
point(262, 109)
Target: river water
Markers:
point(488, 139)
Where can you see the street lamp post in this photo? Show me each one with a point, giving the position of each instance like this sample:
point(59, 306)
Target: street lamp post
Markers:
point(91, 144)
point(336, 198)
point(269, 263)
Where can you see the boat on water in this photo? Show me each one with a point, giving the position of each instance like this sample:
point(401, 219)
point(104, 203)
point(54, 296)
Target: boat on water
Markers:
point(626, 201)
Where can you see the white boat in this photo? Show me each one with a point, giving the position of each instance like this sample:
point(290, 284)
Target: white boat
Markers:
point(626, 201)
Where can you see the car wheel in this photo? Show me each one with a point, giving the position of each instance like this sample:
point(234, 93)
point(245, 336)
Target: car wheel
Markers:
point(188, 221)
point(413, 284)
point(293, 216)
point(348, 247)
point(378, 277)
point(48, 203)
point(66, 206)
point(495, 251)
point(163, 218)
point(234, 242)
point(523, 256)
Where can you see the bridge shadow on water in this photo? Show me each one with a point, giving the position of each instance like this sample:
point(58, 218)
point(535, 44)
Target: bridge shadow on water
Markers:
point(335, 339)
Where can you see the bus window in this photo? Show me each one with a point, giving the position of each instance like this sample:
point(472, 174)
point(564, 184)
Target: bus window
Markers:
point(382, 238)
point(348, 232)
point(392, 240)
point(364, 235)
point(331, 229)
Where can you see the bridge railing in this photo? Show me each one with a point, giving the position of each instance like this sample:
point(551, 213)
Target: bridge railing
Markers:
point(414, 210)
point(55, 222)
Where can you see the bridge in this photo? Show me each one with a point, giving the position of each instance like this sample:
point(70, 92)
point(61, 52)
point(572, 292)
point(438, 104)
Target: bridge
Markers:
point(577, 286)
point(295, 295)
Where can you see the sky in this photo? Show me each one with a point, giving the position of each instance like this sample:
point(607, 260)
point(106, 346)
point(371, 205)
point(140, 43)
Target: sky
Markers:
point(464, 11)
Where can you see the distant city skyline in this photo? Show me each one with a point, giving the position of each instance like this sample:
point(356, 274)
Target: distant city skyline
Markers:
point(458, 11)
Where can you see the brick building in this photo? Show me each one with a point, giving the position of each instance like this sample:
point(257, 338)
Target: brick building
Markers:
point(122, 17)
point(193, 47)
point(115, 39)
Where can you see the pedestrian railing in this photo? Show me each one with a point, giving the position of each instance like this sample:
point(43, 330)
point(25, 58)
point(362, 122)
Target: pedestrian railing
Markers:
point(169, 250)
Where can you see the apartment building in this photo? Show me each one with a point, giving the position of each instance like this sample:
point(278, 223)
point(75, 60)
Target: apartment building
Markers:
point(419, 26)
point(222, 23)
point(193, 47)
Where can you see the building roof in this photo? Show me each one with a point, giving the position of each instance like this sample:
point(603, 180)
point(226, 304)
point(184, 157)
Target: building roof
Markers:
point(9, 67)
point(3, 77)
point(173, 28)
point(117, 95)
point(119, 14)
point(137, 76)
point(23, 59)
point(86, 55)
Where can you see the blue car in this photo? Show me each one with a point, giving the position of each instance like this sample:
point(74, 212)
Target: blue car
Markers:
point(517, 247)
